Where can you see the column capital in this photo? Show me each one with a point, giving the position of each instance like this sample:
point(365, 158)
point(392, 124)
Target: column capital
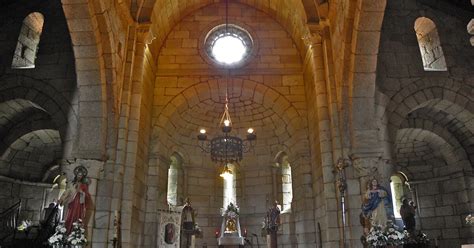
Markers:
point(94, 167)
point(367, 164)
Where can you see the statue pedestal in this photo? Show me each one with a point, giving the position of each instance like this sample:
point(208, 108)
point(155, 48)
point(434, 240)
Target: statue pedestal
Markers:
point(230, 238)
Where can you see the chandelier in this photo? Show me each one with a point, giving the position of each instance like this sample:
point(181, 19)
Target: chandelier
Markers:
point(226, 148)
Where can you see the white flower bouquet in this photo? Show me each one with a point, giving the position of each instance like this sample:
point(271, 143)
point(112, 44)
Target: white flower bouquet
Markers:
point(232, 211)
point(390, 236)
point(394, 237)
point(419, 240)
point(470, 219)
point(59, 237)
point(77, 236)
point(376, 237)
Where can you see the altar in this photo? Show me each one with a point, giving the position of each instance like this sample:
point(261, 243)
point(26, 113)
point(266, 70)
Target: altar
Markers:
point(230, 234)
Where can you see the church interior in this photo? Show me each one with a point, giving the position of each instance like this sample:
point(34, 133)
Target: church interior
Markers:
point(236, 123)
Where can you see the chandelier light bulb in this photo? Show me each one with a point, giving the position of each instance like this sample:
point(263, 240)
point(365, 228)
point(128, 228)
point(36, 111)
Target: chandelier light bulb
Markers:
point(250, 130)
point(202, 131)
point(226, 123)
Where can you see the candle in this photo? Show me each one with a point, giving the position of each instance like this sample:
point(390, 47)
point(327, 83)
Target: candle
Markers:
point(115, 224)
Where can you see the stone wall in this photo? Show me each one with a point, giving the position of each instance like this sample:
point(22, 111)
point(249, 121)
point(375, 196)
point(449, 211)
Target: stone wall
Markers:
point(426, 116)
point(443, 204)
point(50, 85)
point(34, 197)
point(267, 94)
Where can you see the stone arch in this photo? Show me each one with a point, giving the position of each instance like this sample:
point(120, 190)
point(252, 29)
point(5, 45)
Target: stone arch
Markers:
point(50, 101)
point(435, 106)
point(28, 40)
point(89, 46)
point(362, 80)
point(420, 147)
point(212, 90)
point(447, 119)
point(164, 20)
point(20, 117)
point(31, 155)
point(413, 95)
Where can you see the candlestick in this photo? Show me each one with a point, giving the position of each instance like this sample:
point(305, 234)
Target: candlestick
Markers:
point(115, 224)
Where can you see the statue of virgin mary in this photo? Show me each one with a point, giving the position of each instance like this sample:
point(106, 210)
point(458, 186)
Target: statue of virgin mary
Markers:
point(377, 205)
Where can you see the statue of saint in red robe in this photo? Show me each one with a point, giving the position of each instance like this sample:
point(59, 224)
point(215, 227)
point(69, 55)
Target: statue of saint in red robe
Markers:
point(77, 198)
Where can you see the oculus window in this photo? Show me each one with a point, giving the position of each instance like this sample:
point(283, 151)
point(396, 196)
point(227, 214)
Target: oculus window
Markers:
point(228, 45)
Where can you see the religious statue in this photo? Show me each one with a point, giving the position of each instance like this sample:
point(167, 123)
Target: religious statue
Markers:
point(376, 207)
point(407, 211)
point(230, 226)
point(169, 233)
point(273, 221)
point(188, 216)
point(77, 198)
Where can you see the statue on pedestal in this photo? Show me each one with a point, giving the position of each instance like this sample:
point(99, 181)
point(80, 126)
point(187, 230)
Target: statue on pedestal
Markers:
point(376, 206)
point(230, 233)
point(188, 223)
point(77, 198)
point(188, 216)
point(272, 224)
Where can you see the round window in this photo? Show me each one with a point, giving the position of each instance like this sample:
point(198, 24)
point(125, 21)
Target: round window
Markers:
point(228, 45)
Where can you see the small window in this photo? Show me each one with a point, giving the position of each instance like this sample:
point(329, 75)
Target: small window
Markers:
point(430, 45)
point(175, 180)
point(286, 193)
point(28, 40)
point(230, 185)
point(396, 186)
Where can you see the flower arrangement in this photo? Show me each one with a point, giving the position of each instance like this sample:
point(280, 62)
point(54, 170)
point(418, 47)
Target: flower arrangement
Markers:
point(394, 237)
point(380, 237)
point(470, 219)
point(24, 225)
point(197, 230)
point(77, 236)
point(59, 237)
point(376, 237)
point(232, 211)
point(419, 240)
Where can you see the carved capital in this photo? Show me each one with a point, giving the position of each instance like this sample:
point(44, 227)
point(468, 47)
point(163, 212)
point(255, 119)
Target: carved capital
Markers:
point(94, 167)
point(366, 166)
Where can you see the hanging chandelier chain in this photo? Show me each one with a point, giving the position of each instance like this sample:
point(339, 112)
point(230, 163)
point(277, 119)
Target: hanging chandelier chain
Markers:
point(226, 148)
point(226, 16)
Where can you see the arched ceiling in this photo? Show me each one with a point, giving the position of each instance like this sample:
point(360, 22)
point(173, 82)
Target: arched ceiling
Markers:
point(30, 156)
point(19, 117)
point(289, 13)
point(251, 104)
point(423, 154)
